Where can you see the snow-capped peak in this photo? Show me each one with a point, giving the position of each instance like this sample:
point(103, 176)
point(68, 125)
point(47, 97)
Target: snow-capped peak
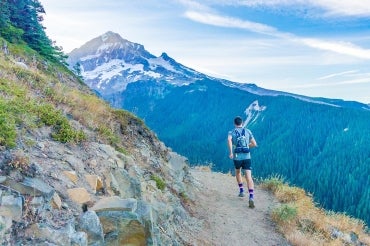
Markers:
point(111, 62)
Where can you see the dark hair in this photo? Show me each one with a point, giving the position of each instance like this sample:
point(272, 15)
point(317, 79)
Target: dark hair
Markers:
point(238, 120)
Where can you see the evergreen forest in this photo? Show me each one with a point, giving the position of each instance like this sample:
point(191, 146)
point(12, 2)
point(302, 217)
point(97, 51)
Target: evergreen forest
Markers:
point(321, 148)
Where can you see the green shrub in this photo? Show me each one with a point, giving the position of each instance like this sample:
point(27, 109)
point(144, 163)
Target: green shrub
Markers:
point(65, 133)
point(108, 134)
point(285, 214)
point(159, 182)
point(184, 197)
point(273, 183)
point(49, 116)
point(8, 133)
point(121, 150)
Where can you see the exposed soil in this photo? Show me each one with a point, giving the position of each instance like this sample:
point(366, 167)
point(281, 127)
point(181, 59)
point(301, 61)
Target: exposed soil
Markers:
point(227, 218)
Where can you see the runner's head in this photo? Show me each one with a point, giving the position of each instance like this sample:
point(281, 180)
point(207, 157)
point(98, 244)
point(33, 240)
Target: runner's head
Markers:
point(238, 121)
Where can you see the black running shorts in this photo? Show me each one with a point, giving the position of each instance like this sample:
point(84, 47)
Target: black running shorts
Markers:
point(244, 164)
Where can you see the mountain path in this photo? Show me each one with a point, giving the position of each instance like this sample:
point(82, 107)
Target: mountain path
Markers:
point(227, 218)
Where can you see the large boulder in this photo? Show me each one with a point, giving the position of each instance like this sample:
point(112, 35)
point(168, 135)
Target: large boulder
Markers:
point(125, 221)
point(90, 223)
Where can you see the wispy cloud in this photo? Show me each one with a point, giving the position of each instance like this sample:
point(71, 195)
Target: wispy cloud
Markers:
point(338, 83)
point(337, 74)
point(344, 7)
point(222, 21)
point(230, 22)
point(338, 47)
point(327, 7)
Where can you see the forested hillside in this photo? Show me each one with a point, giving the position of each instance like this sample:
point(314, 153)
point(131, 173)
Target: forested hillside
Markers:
point(322, 148)
point(21, 23)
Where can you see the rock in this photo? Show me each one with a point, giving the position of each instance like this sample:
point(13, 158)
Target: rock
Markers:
point(79, 195)
point(45, 233)
point(37, 201)
point(177, 162)
point(75, 162)
point(95, 182)
point(56, 202)
point(124, 185)
point(2, 179)
point(115, 203)
point(11, 207)
point(65, 205)
point(123, 228)
point(113, 186)
point(108, 150)
point(145, 213)
point(5, 225)
point(79, 239)
point(125, 221)
point(21, 64)
point(39, 186)
point(92, 163)
point(71, 175)
point(40, 145)
point(35, 169)
point(89, 222)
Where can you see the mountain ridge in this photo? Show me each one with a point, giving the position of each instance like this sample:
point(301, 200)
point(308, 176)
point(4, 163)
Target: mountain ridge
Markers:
point(162, 68)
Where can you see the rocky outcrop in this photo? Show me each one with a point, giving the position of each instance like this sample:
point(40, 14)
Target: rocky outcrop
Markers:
point(122, 201)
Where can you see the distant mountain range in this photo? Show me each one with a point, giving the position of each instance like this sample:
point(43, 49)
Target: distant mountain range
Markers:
point(109, 63)
point(320, 144)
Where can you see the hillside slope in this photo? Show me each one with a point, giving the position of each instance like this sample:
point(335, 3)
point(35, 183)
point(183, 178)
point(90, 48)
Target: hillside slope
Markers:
point(74, 171)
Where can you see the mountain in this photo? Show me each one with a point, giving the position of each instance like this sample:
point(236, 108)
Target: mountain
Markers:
point(109, 63)
point(319, 144)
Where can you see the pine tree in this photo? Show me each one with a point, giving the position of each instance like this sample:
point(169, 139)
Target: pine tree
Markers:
point(24, 18)
point(8, 31)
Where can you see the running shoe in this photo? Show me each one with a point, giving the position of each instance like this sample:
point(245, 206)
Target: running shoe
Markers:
point(251, 203)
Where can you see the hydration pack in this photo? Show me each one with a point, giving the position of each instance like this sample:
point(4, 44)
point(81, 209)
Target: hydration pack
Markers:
point(241, 142)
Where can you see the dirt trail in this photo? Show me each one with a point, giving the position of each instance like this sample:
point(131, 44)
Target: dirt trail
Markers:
point(228, 219)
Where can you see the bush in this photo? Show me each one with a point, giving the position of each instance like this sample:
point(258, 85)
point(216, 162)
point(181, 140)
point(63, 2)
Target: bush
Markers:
point(63, 130)
point(65, 133)
point(159, 182)
point(284, 214)
point(8, 133)
point(273, 183)
point(49, 116)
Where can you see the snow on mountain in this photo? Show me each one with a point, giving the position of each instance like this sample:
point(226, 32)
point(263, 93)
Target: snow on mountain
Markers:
point(109, 63)
point(252, 112)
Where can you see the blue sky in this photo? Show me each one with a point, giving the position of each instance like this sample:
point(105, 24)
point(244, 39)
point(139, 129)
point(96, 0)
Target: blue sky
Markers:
point(317, 48)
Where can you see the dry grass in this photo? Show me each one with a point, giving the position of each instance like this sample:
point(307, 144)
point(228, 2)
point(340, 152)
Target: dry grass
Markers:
point(54, 85)
point(203, 168)
point(304, 224)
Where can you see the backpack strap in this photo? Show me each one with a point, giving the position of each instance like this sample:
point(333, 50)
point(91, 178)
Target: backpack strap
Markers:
point(237, 134)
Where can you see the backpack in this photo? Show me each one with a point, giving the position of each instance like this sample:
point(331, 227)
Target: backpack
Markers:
point(241, 142)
